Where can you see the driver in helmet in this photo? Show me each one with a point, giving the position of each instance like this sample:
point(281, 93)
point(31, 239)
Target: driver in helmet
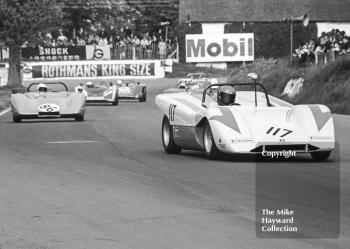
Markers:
point(90, 84)
point(119, 82)
point(182, 85)
point(41, 88)
point(79, 88)
point(226, 96)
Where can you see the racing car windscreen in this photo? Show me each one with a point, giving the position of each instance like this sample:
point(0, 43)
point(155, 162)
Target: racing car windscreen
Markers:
point(241, 87)
point(51, 86)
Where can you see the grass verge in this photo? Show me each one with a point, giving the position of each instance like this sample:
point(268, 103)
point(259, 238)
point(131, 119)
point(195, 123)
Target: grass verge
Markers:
point(327, 84)
point(4, 100)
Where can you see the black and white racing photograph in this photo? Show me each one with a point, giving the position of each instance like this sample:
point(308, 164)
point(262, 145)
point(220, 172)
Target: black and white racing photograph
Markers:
point(174, 124)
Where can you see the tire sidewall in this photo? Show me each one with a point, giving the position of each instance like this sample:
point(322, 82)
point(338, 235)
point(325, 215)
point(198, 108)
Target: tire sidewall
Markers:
point(213, 153)
point(171, 147)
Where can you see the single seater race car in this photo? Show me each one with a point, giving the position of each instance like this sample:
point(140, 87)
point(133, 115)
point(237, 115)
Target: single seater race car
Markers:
point(255, 123)
point(49, 100)
point(132, 90)
point(99, 93)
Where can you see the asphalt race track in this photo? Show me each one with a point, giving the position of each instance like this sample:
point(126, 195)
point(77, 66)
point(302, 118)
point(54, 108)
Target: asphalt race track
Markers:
point(106, 183)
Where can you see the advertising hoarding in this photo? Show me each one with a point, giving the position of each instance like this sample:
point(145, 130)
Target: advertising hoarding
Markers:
point(220, 47)
point(64, 53)
point(93, 69)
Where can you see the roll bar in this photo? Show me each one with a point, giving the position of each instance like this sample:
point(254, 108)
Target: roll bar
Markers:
point(237, 84)
point(48, 83)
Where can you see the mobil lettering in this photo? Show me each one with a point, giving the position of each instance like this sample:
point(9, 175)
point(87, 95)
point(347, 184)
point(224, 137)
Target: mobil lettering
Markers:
point(225, 47)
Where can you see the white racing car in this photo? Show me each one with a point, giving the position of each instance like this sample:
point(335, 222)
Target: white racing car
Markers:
point(99, 93)
point(249, 122)
point(47, 101)
point(193, 76)
point(132, 90)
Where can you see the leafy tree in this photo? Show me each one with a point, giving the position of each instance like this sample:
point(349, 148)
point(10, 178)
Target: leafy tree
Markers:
point(20, 22)
point(148, 15)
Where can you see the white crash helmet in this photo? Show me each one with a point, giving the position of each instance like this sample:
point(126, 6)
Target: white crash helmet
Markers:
point(89, 84)
point(119, 82)
point(80, 89)
point(182, 85)
point(41, 87)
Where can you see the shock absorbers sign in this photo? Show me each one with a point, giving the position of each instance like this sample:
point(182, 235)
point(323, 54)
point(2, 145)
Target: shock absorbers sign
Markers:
point(220, 47)
point(93, 69)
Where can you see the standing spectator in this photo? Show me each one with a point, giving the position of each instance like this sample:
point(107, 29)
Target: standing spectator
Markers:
point(122, 48)
point(344, 45)
point(80, 41)
point(128, 44)
point(149, 48)
point(310, 52)
point(61, 39)
point(47, 40)
point(103, 42)
point(144, 44)
point(137, 42)
point(54, 43)
point(319, 54)
point(336, 50)
point(162, 49)
point(81, 34)
point(133, 46)
point(154, 44)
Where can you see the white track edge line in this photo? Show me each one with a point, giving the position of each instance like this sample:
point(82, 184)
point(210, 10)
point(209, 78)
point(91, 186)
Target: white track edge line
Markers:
point(4, 112)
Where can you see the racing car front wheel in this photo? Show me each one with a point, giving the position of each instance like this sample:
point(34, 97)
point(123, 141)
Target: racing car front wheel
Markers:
point(168, 139)
point(210, 148)
point(116, 101)
point(16, 119)
point(144, 96)
point(79, 118)
point(320, 155)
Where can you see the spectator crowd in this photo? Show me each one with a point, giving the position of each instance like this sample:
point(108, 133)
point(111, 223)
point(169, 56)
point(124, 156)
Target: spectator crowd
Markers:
point(124, 44)
point(324, 49)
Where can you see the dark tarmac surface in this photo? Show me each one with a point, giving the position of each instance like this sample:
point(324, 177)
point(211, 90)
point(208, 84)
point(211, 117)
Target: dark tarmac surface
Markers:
point(106, 183)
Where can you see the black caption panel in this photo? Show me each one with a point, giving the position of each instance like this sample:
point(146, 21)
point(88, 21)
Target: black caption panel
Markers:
point(298, 197)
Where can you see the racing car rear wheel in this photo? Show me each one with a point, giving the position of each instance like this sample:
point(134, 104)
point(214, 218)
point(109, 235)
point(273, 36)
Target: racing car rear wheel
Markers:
point(320, 156)
point(210, 148)
point(79, 118)
point(16, 119)
point(144, 95)
point(168, 139)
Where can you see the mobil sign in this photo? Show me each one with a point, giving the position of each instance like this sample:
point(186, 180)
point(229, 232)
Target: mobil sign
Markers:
point(220, 47)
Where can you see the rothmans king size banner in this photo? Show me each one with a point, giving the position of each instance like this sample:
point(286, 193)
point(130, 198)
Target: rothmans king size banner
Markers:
point(220, 47)
point(93, 69)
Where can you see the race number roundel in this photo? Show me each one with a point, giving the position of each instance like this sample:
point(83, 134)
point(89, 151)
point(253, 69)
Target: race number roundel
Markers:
point(49, 108)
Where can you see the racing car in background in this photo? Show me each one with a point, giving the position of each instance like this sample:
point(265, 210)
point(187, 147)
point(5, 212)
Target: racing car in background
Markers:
point(195, 85)
point(256, 123)
point(47, 101)
point(132, 90)
point(193, 76)
point(99, 93)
